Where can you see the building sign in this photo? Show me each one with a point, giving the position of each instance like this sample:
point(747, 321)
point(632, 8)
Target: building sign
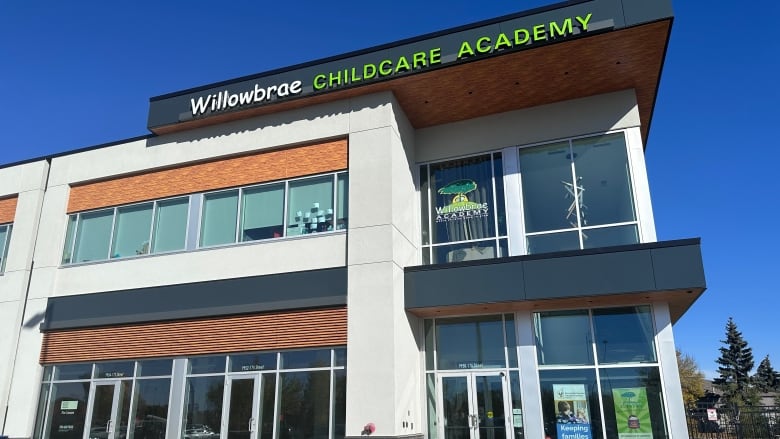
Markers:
point(460, 207)
point(632, 413)
point(461, 45)
point(572, 415)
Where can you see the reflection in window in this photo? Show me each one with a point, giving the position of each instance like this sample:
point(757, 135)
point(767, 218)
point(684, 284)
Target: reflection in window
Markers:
point(304, 404)
point(470, 343)
point(203, 406)
point(563, 337)
point(67, 410)
point(577, 194)
point(624, 335)
point(462, 218)
point(5, 240)
point(150, 408)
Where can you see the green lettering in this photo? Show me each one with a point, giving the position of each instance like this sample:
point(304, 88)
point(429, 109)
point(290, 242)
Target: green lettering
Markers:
point(402, 64)
point(526, 36)
point(382, 65)
point(319, 82)
point(502, 41)
point(465, 49)
point(481, 48)
point(434, 56)
point(332, 79)
point(418, 58)
point(353, 78)
point(584, 21)
point(539, 32)
point(369, 73)
point(561, 31)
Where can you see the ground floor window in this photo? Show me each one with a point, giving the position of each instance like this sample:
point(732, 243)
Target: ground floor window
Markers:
point(472, 378)
point(278, 395)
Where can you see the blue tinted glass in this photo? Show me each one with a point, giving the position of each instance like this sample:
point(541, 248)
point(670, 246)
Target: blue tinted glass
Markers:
point(563, 337)
point(624, 335)
point(214, 364)
point(252, 362)
point(553, 242)
point(306, 359)
point(610, 236)
point(73, 372)
point(470, 343)
point(150, 368)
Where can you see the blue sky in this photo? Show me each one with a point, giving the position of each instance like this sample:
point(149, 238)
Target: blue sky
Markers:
point(76, 74)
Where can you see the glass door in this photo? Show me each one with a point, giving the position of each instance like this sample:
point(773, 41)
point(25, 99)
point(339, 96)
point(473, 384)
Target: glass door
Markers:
point(242, 408)
point(474, 406)
point(108, 410)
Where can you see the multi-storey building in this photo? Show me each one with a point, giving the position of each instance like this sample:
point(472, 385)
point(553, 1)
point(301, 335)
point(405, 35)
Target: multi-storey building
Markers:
point(447, 237)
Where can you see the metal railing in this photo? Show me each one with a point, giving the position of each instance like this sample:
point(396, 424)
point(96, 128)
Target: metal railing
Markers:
point(759, 422)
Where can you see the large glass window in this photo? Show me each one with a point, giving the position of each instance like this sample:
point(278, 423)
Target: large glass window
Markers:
point(578, 194)
point(170, 226)
point(463, 210)
point(622, 377)
point(274, 210)
point(310, 208)
point(93, 236)
point(262, 212)
point(5, 240)
point(218, 221)
point(131, 231)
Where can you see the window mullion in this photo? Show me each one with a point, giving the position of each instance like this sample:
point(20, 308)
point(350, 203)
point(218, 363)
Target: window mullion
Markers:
point(111, 237)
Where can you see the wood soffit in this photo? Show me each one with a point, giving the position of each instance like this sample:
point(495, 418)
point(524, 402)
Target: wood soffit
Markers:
point(679, 301)
point(630, 58)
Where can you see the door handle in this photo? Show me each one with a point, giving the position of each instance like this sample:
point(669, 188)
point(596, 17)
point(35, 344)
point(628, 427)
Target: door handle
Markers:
point(108, 426)
point(251, 424)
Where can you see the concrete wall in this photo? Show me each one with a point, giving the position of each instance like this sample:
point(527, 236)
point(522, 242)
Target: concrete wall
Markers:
point(576, 117)
point(27, 182)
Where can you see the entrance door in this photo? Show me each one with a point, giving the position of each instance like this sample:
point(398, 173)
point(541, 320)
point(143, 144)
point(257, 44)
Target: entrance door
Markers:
point(242, 408)
point(474, 406)
point(108, 410)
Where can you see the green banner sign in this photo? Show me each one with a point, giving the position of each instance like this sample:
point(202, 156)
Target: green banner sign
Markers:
point(632, 413)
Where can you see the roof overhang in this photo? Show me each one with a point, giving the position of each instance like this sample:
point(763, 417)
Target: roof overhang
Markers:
point(598, 47)
point(669, 272)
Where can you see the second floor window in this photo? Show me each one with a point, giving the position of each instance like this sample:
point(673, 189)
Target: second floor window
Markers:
point(274, 210)
point(5, 240)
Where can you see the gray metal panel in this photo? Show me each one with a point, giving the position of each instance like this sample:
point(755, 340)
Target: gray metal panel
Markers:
point(305, 289)
point(573, 276)
point(468, 284)
point(643, 11)
point(678, 266)
point(671, 265)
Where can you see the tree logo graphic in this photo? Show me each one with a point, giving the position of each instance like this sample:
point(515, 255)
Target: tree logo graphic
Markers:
point(459, 189)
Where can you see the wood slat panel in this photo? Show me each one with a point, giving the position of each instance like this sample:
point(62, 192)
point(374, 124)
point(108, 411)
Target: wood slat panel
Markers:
point(218, 174)
point(288, 330)
point(8, 209)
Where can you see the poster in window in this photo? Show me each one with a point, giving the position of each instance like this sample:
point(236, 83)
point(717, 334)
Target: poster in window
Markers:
point(572, 414)
point(632, 413)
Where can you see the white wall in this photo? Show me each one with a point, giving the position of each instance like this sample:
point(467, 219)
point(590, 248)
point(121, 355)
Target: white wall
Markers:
point(576, 117)
point(27, 181)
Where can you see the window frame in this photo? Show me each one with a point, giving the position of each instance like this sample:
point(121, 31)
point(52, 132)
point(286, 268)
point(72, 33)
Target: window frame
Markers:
point(5, 245)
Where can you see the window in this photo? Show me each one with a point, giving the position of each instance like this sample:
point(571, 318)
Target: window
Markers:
point(577, 194)
point(5, 241)
point(137, 229)
point(273, 210)
point(600, 358)
point(463, 209)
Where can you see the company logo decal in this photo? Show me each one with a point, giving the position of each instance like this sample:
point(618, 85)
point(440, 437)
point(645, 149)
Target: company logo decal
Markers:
point(460, 207)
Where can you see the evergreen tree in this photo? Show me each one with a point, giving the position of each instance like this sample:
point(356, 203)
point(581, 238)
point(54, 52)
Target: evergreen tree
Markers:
point(766, 378)
point(735, 364)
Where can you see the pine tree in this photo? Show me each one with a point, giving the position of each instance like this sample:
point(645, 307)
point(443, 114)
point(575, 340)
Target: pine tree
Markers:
point(735, 364)
point(766, 378)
